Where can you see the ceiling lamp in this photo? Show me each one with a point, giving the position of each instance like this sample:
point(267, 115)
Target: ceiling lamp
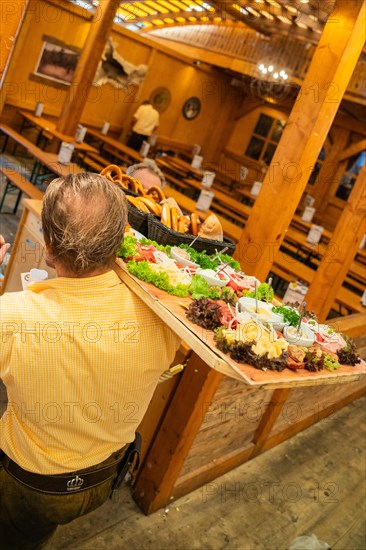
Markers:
point(272, 72)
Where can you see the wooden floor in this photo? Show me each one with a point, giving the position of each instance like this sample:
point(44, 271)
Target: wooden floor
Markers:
point(313, 483)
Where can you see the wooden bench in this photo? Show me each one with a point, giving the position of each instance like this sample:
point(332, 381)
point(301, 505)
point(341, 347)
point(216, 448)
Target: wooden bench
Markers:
point(15, 136)
point(98, 158)
point(293, 270)
point(14, 182)
point(92, 164)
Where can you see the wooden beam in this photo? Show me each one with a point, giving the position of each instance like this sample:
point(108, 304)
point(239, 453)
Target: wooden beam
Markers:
point(164, 460)
point(326, 176)
point(269, 418)
point(13, 15)
point(353, 150)
point(249, 105)
point(99, 31)
point(350, 123)
point(346, 238)
point(310, 120)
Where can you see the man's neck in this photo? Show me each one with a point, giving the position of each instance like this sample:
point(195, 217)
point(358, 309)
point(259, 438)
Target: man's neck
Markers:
point(63, 272)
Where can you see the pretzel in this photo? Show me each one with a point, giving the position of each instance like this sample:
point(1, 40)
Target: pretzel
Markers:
point(112, 169)
point(152, 206)
point(183, 224)
point(138, 204)
point(174, 218)
point(166, 216)
point(132, 184)
point(195, 221)
point(156, 193)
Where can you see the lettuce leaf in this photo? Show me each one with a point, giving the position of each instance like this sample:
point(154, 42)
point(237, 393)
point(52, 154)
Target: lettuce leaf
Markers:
point(128, 247)
point(142, 271)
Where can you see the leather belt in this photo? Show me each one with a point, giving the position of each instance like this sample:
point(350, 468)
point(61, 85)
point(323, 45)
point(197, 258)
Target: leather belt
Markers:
point(61, 484)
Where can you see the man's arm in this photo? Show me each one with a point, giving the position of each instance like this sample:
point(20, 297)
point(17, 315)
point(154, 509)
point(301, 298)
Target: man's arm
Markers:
point(4, 247)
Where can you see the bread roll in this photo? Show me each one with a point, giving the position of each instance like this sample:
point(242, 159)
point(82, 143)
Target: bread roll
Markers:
point(172, 202)
point(211, 229)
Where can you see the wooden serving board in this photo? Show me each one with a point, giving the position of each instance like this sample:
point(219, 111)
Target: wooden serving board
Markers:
point(171, 310)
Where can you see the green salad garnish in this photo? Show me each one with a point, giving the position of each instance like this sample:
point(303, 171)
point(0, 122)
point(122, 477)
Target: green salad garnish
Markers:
point(289, 315)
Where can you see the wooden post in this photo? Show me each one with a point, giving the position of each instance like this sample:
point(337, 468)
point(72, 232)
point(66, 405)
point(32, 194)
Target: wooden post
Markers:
point(345, 241)
point(269, 418)
point(12, 17)
point(310, 120)
point(165, 458)
point(100, 28)
point(326, 176)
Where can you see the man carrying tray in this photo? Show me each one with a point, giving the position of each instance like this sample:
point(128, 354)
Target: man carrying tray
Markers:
point(81, 356)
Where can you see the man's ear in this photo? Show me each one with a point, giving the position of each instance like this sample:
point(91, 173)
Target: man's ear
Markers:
point(49, 257)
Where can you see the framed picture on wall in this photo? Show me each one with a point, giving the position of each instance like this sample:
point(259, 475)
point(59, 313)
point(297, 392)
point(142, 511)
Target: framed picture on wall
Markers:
point(160, 99)
point(56, 62)
point(191, 108)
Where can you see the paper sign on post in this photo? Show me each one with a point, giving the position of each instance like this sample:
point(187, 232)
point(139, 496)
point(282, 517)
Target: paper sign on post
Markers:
point(208, 179)
point(80, 133)
point(308, 214)
point(39, 109)
point(196, 149)
point(65, 153)
point(315, 234)
point(204, 200)
point(295, 292)
point(256, 187)
point(309, 200)
point(363, 242)
point(105, 128)
point(197, 162)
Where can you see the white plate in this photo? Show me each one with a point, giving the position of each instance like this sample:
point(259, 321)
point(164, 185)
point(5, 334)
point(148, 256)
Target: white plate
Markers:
point(265, 314)
point(305, 339)
point(174, 253)
point(212, 278)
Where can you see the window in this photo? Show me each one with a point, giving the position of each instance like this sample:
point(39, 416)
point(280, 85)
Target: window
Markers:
point(266, 135)
point(315, 173)
point(349, 177)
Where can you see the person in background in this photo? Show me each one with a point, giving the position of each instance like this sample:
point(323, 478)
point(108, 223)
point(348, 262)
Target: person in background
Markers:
point(80, 359)
point(146, 121)
point(148, 173)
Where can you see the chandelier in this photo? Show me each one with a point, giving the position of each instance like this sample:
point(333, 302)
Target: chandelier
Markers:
point(273, 72)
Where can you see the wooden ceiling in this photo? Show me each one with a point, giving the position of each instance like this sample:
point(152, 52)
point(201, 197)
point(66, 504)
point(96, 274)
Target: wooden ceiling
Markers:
point(304, 18)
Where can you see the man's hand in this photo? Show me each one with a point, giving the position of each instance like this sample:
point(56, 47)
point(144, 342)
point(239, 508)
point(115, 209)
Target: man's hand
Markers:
point(4, 247)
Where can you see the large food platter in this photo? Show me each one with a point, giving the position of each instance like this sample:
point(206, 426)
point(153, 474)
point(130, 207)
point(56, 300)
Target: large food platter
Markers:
point(171, 310)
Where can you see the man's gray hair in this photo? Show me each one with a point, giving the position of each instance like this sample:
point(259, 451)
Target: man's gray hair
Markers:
point(84, 218)
point(151, 166)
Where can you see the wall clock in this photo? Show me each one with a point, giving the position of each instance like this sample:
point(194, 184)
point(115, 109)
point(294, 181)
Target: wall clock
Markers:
point(191, 108)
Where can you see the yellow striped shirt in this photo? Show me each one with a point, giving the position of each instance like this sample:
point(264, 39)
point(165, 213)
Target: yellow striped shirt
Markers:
point(80, 359)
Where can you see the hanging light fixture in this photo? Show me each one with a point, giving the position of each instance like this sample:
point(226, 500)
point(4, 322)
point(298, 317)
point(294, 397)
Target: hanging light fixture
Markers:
point(272, 72)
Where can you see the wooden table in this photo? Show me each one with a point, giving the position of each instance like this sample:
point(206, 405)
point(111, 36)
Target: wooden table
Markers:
point(166, 472)
point(44, 125)
point(51, 163)
point(189, 205)
point(128, 154)
point(182, 165)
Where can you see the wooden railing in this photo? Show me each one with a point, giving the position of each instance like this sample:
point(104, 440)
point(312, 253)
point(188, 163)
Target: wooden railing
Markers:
point(249, 46)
